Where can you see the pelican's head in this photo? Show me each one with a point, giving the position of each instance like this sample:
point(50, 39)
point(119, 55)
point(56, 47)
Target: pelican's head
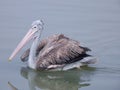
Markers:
point(38, 24)
point(34, 31)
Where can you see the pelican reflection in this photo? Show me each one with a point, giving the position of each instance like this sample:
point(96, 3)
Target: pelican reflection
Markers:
point(65, 80)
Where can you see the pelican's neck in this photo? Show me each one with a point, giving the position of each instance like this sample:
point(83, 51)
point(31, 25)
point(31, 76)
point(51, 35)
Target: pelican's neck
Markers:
point(32, 55)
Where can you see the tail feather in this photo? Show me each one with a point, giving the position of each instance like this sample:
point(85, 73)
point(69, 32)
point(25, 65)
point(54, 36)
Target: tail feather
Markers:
point(89, 60)
point(78, 64)
point(85, 48)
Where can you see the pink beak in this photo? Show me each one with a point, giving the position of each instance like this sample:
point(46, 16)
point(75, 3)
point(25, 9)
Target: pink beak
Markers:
point(24, 41)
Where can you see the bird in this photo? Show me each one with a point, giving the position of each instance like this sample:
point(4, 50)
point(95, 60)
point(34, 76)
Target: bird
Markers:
point(56, 52)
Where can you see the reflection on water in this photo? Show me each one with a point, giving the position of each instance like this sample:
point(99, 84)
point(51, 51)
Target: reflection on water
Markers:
point(69, 80)
point(12, 86)
point(64, 80)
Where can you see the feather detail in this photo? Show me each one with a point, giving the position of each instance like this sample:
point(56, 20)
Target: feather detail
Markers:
point(59, 50)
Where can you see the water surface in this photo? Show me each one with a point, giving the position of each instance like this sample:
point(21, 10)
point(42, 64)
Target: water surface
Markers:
point(95, 23)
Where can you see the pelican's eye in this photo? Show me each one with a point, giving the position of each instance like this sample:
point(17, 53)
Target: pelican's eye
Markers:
point(34, 27)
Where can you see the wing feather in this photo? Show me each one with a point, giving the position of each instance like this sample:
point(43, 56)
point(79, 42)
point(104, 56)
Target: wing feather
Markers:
point(70, 51)
point(60, 50)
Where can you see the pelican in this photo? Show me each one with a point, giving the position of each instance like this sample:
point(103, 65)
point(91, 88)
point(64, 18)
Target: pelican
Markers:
point(55, 52)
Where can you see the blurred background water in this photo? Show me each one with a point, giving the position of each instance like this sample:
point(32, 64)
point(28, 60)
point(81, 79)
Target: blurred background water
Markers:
point(95, 23)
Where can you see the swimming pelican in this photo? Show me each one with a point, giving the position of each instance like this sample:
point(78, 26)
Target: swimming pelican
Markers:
point(54, 52)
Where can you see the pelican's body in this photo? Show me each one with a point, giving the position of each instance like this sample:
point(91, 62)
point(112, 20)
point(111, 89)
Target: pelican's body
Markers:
point(54, 52)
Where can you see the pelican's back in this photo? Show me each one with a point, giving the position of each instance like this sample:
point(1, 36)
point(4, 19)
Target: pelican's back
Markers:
point(59, 50)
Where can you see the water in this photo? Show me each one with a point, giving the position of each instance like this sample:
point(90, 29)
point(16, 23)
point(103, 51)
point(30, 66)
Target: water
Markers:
point(95, 23)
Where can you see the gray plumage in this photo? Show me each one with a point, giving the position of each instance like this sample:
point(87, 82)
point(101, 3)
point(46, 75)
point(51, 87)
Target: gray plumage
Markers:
point(57, 50)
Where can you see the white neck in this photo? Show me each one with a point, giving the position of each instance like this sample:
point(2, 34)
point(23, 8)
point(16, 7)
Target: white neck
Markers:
point(32, 55)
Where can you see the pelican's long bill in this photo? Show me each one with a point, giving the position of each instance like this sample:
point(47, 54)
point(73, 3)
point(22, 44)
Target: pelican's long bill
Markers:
point(26, 39)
